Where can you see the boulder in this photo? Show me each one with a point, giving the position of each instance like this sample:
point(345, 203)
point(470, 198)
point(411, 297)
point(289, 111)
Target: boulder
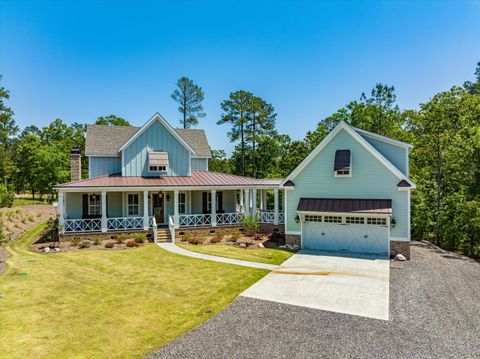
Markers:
point(46, 249)
point(400, 257)
point(261, 245)
point(243, 245)
point(296, 247)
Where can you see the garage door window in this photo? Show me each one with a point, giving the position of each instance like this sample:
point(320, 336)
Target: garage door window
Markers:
point(309, 218)
point(333, 219)
point(355, 220)
point(377, 221)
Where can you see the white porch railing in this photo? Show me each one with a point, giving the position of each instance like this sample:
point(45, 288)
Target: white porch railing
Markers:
point(154, 228)
point(82, 225)
point(124, 223)
point(229, 218)
point(281, 217)
point(194, 220)
point(266, 216)
point(171, 227)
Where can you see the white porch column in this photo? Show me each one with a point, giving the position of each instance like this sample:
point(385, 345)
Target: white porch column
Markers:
point(60, 208)
point(175, 209)
point(104, 211)
point(247, 202)
point(261, 200)
point(254, 201)
point(265, 199)
point(213, 208)
point(241, 200)
point(275, 213)
point(145, 211)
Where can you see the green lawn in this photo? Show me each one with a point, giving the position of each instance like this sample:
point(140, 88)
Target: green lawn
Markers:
point(262, 255)
point(108, 304)
point(18, 202)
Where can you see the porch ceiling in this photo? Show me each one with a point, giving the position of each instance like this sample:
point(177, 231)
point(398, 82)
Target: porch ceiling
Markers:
point(198, 178)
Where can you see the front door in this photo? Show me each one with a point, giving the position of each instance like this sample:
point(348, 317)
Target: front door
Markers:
point(158, 207)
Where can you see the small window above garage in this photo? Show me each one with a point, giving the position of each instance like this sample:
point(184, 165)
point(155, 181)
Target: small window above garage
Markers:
point(343, 163)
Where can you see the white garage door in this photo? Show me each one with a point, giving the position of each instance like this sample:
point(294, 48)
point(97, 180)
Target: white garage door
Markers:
point(345, 233)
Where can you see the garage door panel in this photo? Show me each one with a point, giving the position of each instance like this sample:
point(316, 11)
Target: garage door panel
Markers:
point(361, 238)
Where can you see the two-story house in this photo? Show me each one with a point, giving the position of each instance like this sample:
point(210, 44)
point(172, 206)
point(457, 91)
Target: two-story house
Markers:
point(140, 177)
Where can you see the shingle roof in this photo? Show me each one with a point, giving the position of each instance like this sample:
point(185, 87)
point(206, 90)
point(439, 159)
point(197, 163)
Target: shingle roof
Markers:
point(106, 140)
point(198, 178)
point(345, 205)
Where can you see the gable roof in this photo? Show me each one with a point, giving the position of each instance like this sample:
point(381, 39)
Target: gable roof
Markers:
point(344, 126)
point(104, 140)
point(384, 138)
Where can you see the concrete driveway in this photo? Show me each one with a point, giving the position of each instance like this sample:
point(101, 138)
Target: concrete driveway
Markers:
point(337, 282)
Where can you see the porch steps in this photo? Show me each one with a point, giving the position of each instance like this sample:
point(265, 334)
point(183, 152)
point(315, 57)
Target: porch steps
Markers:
point(163, 235)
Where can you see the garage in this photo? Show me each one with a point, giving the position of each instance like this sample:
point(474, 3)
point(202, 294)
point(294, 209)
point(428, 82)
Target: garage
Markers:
point(359, 225)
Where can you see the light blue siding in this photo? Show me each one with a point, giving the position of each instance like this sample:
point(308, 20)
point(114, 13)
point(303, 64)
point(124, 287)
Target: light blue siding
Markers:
point(100, 166)
point(200, 164)
point(73, 205)
point(370, 179)
point(395, 154)
point(228, 201)
point(155, 138)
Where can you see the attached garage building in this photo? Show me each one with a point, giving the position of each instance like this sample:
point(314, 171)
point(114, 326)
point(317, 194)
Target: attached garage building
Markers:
point(353, 225)
point(351, 193)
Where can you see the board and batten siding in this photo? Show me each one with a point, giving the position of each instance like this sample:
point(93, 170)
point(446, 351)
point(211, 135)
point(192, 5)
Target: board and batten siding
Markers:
point(100, 166)
point(395, 154)
point(200, 164)
point(370, 179)
point(155, 138)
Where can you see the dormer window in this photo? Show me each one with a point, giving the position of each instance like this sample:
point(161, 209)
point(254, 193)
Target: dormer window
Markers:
point(158, 162)
point(342, 166)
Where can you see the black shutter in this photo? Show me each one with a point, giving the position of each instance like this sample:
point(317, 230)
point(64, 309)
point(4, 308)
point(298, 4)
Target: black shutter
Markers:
point(204, 201)
point(85, 205)
point(220, 202)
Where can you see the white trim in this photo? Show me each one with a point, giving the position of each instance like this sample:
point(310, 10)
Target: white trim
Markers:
point(407, 164)
point(189, 164)
point(207, 157)
point(93, 155)
point(384, 138)
point(360, 139)
point(89, 168)
point(99, 205)
point(408, 217)
point(399, 239)
point(154, 188)
point(168, 127)
point(126, 203)
point(297, 233)
point(404, 189)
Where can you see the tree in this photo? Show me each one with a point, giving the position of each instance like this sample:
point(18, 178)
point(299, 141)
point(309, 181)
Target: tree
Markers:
point(219, 162)
point(261, 122)
point(7, 130)
point(474, 87)
point(189, 96)
point(235, 112)
point(112, 120)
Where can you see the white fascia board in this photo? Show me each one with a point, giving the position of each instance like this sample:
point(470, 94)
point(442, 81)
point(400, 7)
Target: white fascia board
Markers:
point(384, 138)
point(157, 117)
point(201, 157)
point(96, 155)
point(157, 188)
point(346, 214)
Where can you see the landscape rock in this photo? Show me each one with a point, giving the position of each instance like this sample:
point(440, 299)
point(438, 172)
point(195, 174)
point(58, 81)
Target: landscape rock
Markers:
point(400, 257)
point(46, 249)
point(261, 245)
point(295, 247)
point(243, 245)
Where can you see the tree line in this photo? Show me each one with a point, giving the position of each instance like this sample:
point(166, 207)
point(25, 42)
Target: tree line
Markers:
point(444, 164)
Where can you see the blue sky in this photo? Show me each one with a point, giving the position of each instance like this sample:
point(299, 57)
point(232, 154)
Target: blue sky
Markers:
point(79, 60)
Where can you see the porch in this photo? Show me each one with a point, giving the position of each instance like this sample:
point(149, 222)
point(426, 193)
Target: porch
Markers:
point(115, 210)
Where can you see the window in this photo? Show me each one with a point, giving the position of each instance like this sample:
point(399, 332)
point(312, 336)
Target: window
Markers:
point(182, 200)
point(94, 205)
point(342, 165)
point(157, 169)
point(377, 221)
point(218, 201)
point(355, 220)
point(132, 205)
point(310, 218)
point(332, 219)
point(343, 173)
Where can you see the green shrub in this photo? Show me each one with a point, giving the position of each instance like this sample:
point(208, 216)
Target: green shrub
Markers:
point(7, 196)
point(234, 237)
point(84, 244)
point(30, 218)
point(2, 234)
point(139, 237)
point(250, 225)
point(24, 220)
point(121, 238)
point(97, 240)
point(218, 235)
point(131, 243)
point(195, 240)
point(187, 237)
point(109, 245)
point(75, 241)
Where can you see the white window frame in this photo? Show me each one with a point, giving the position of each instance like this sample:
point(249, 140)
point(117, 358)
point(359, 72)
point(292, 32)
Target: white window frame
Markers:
point(183, 203)
point(209, 201)
point(128, 205)
point(349, 174)
point(157, 169)
point(95, 205)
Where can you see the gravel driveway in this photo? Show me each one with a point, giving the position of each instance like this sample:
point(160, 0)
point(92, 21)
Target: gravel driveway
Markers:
point(435, 313)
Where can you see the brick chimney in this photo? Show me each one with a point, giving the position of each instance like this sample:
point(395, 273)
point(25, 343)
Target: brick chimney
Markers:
point(75, 165)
